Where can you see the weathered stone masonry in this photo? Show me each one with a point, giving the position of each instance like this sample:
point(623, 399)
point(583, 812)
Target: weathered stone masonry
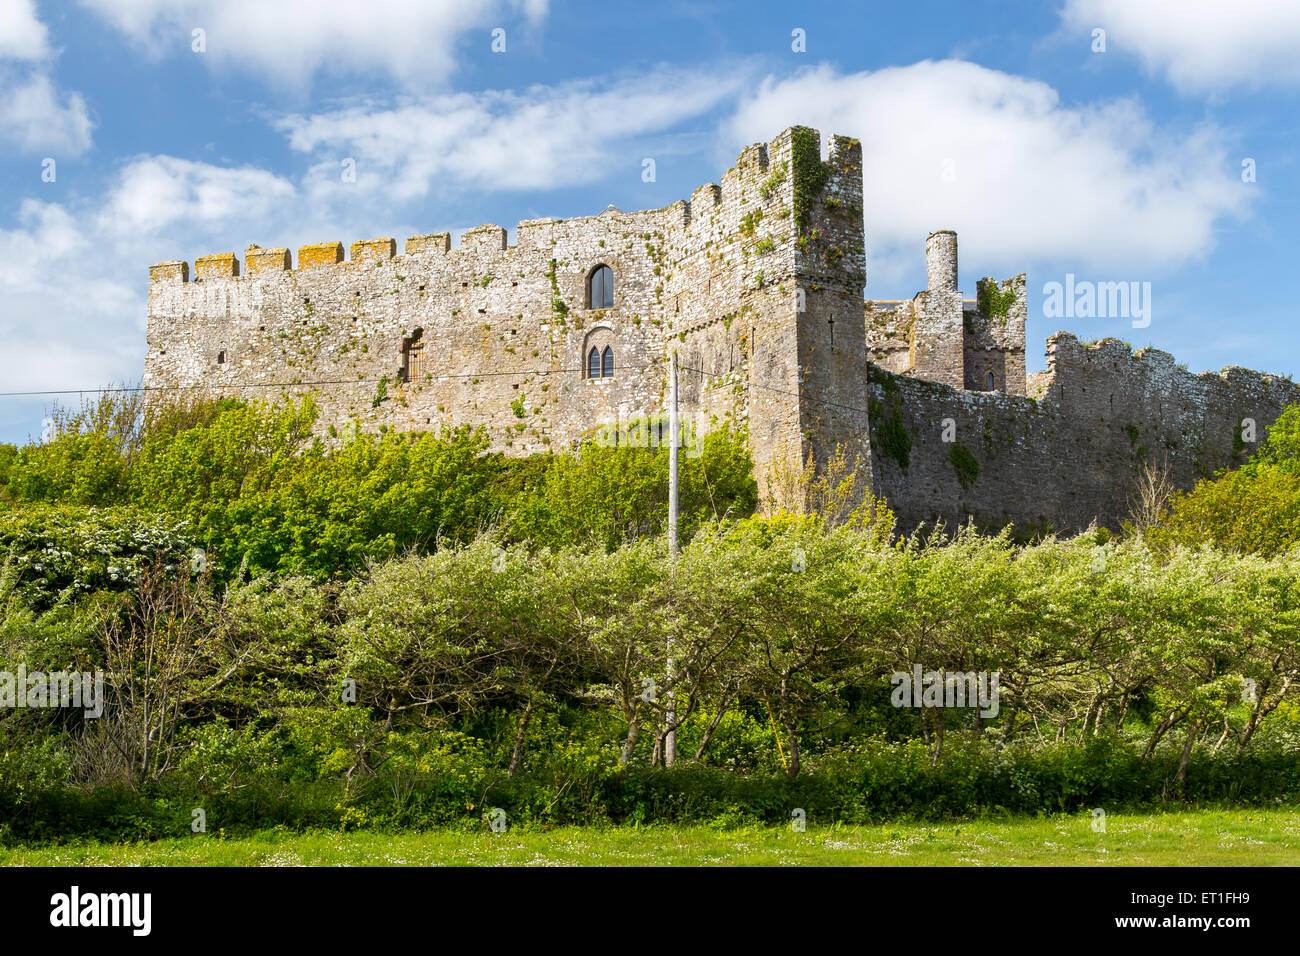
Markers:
point(757, 282)
point(1072, 454)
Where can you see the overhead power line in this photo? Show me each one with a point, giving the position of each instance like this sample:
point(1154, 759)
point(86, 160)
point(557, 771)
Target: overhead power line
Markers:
point(517, 373)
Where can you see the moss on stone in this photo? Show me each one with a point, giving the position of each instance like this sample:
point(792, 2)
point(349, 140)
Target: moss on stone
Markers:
point(775, 180)
point(889, 432)
point(810, 173)
point(994, 303)
point(1238, 443)
point(964, 463)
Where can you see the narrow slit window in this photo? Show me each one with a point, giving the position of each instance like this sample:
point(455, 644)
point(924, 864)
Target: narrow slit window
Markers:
point(593, 363)
point(607, 363)
point(991, 385)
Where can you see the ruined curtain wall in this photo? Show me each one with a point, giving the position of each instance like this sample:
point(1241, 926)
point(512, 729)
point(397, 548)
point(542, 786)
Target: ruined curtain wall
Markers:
point(1074, 456)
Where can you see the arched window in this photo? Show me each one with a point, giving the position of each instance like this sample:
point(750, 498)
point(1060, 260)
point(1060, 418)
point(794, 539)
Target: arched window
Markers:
point(600, 288)
point(992, 385)
point(607, 363)
point(593, 363)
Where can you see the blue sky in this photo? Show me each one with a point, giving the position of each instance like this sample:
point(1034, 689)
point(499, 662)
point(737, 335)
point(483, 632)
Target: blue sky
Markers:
point(1000, 120)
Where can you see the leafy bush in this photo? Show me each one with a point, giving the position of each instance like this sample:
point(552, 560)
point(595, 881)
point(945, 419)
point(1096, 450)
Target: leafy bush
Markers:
point(258, 490)
point(447, 631)
point(1255, 510)
point(59, 553)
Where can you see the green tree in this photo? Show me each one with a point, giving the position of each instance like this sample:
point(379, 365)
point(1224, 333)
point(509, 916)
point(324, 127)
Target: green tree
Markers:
point(613, 494)
point(1254, 510)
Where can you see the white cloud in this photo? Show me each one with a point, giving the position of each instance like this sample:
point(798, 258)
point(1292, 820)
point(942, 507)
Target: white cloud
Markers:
point(48, 234)
point(542, 138)
point(1031, 179)
point(65, 322)
point(34, 116)
point(291, 40)
point(156, 192)
point(22, 35)
point(1200, 45)
point(74, 277)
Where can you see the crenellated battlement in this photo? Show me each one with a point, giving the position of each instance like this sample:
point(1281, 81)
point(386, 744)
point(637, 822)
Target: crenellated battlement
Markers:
point(222, 265)
point(257, 259)
point(747, 182)
point(373, 250)
point(439, 243)
point(173, 271)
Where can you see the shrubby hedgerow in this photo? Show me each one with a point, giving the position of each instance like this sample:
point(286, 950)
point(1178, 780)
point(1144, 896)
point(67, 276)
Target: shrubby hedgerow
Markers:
point(408, 631)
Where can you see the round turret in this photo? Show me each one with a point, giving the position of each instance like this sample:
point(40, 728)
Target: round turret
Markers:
point(941, 261)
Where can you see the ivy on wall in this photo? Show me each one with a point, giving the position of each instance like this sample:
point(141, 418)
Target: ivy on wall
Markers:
point(994, 302)
point(889, 433)
point(810, 173)
point(964, 463)
point(774, 181)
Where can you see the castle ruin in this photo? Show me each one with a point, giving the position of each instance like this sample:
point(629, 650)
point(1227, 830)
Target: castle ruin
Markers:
point(758, 284)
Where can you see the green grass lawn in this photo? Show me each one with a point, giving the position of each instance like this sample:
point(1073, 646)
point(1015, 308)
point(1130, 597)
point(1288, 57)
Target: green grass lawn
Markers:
point(1207, 838)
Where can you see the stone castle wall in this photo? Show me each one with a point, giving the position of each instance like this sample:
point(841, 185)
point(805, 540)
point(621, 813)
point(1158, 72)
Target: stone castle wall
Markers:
point(757, 284)
point(495, 327)
point(1071, 457)
point(994, 341)
point(502, 332)
point(888, 332)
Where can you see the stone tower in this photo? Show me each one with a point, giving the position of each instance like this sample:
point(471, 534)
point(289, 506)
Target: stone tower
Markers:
point(937, 335)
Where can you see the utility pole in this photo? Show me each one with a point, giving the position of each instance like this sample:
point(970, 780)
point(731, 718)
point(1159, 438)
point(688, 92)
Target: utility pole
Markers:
point(674, 427)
